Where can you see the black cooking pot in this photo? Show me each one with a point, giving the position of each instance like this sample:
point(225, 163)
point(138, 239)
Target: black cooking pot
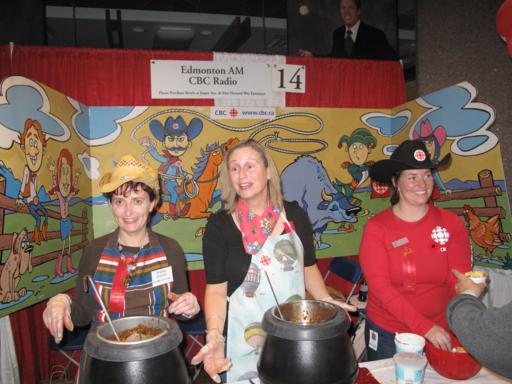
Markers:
point(308, 345)
point(156, 359)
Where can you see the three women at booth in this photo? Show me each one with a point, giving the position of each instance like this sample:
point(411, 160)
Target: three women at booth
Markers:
point(260, 243)
point(122, 263)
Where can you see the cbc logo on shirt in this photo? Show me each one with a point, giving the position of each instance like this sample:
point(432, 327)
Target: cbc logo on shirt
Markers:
point(441, 236)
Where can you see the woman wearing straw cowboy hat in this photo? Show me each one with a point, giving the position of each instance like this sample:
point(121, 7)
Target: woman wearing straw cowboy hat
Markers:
point(123, 262)
point(407, 254)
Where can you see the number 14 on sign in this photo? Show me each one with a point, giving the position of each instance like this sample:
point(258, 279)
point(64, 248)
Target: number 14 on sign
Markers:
point(289, 78)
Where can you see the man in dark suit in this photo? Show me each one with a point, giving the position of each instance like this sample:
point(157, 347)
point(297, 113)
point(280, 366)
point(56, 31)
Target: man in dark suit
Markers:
point(355, 39)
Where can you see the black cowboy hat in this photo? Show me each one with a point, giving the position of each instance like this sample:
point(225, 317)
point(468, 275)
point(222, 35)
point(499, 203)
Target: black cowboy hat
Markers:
point(411, 154)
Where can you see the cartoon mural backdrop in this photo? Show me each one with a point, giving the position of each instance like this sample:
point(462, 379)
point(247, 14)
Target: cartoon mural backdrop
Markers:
point(53, 150)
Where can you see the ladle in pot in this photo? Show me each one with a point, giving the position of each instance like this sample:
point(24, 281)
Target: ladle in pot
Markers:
point(275, 297)
point(93, 286)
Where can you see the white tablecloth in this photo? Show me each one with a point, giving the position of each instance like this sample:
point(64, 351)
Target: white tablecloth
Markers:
point(384, 372)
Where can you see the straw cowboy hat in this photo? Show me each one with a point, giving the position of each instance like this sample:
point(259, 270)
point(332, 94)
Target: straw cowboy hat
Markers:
point(127, 169)
point(411, 154)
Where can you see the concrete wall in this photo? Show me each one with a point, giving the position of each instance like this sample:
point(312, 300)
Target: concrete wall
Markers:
point(457, 41)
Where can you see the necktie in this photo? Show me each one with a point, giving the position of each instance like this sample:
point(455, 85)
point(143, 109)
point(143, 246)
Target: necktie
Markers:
point(349, 43)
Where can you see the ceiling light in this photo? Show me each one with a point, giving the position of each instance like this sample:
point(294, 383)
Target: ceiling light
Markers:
point(304, 10)
point(175, 28)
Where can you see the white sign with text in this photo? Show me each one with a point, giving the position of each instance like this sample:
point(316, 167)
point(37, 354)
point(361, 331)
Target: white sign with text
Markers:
point(173, 79)
point(185, 79)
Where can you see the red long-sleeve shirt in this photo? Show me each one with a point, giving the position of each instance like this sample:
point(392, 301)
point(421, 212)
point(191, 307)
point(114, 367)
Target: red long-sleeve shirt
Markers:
point(407, 266)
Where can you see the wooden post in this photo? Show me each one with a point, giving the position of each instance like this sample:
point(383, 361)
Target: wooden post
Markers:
point(486, 180)
point(84, 224)
point(472, 194)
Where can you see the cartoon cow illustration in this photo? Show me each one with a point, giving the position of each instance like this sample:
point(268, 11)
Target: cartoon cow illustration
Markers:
point(307, 182)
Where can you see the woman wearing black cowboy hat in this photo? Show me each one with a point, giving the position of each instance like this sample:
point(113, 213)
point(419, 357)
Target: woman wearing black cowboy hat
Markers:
point(407, 254)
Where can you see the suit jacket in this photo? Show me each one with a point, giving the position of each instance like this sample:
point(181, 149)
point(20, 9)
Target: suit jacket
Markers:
point(371, 43)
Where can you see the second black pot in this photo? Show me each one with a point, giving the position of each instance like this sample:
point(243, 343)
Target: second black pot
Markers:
point(310, 345)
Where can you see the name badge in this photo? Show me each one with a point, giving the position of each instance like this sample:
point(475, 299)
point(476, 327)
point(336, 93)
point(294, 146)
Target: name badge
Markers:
point(374, 340)
point(400, 242)
point(162, 276)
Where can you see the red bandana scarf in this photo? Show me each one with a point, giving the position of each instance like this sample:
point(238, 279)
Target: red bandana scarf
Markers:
point(255, 228)
point(122, 278)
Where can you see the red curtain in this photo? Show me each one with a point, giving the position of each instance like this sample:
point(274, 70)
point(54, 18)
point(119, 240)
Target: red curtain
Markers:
point(31, 342)
point(95, 76)
point(338, 83)
point(122, 78)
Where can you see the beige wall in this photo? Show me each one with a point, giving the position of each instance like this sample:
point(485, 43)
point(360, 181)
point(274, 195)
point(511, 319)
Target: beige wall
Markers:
point(457, 41)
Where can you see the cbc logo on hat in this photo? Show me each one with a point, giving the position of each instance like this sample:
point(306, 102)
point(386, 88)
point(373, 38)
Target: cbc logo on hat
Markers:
point(440, 235)
point(419, 155)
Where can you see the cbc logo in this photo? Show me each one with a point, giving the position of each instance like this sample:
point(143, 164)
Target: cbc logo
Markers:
point(224, 112)
point(198, 80)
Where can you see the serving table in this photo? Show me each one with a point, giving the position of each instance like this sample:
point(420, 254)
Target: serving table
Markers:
point(384, 373)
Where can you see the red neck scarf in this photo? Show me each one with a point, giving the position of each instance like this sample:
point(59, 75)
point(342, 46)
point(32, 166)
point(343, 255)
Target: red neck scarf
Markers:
point(122, 278)
point(255, 228)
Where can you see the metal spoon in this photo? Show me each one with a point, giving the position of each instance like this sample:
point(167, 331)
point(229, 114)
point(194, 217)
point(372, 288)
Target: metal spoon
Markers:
point(93, 286)
point(275, 297)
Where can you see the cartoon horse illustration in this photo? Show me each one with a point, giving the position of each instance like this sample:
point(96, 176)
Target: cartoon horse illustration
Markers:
point(206, 174)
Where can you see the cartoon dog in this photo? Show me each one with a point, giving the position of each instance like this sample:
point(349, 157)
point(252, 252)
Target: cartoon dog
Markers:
point(19, 262)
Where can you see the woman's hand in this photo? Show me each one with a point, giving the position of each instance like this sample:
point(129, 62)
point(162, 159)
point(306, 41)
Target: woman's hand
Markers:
point(212, 355)
point(185, 304)
point(439, 337)
point(345, 306)
point(57, 315)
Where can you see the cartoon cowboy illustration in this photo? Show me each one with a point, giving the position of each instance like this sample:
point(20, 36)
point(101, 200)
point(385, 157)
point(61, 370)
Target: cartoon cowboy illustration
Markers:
point(176, 137)
point(33, 146)
point(359, 145)
point(434, 140)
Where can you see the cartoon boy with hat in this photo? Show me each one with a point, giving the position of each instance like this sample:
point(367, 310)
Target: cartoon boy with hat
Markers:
point(176, 137)
point(359, 145)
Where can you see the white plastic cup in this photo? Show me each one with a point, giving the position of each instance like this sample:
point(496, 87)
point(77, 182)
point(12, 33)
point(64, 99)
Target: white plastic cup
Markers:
point(478, 277)
point(409, 342)
point(409, 367)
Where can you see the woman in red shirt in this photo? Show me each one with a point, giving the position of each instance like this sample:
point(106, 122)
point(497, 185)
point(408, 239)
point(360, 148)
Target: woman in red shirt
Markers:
point(407, 254)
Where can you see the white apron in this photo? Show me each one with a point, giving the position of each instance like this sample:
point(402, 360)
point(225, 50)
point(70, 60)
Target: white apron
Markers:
point(282, 257)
